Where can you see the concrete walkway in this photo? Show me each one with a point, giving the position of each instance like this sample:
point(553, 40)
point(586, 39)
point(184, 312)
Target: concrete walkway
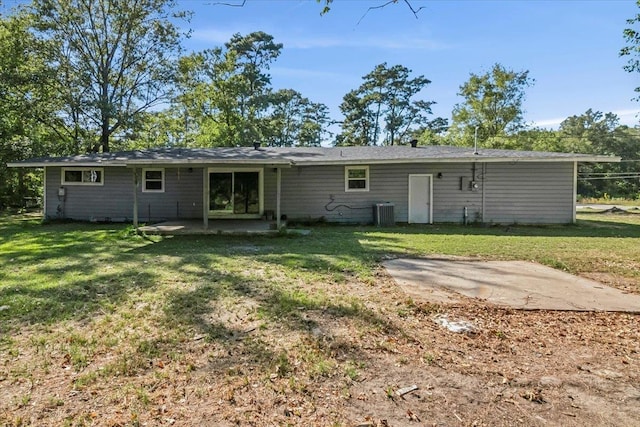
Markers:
point(516, 284)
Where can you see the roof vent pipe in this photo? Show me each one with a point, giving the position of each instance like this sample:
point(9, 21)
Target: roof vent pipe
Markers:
point(256, 145)
point(414, 143)
point(475, 141)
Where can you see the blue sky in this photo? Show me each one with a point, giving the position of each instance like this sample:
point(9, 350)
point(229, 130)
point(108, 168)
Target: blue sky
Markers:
point(569, 47)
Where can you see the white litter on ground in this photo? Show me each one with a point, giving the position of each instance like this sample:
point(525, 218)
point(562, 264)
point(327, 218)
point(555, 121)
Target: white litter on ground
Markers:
point(457, 326)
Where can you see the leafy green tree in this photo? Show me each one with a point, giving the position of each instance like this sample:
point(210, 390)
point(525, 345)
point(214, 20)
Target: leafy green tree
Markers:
point(207, 103)
point(614, 179)
point(632, 49)
point(26, 114)
point(598, 133)
point(383, 109)
point(224, 93)
point(116, 59)
point(359, 125)
point(492, 104)
point(295, 120)
point(253, 54)
point(434, 132)
point(226, 99)
point(537, 139)
point(590, 132)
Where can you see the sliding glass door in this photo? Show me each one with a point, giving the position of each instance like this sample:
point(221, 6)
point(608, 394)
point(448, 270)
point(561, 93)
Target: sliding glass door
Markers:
point(235, 193)
point(221, 192)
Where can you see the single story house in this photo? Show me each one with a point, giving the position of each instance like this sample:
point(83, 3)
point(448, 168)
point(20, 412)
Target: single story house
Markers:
point(423, 184)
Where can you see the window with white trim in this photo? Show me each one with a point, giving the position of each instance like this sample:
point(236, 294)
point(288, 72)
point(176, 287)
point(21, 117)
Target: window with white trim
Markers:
point(82, 176)
point(356, 178)
point(153, 180)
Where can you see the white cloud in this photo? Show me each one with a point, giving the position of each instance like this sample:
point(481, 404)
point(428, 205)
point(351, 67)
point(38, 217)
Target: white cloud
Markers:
point(305, 73)
point(626, 117)
point(368, 42)
point(548, 123)
point(221, 36)
point(210, 35)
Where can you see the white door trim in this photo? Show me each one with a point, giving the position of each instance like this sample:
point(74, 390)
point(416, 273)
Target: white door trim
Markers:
point(430, 176)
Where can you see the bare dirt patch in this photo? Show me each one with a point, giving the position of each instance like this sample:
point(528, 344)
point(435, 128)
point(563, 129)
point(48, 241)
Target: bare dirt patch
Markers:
point(625, 284)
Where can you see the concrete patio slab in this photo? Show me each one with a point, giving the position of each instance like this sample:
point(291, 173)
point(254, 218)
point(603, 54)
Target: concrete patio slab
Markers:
point(517, 284)
point(215, 227)
point(226, 227)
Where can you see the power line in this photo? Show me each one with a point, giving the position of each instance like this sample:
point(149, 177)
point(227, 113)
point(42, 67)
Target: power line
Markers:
point(608, 177)
point(587, 174)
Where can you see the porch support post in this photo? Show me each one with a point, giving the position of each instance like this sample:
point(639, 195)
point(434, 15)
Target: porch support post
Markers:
point(278, 191)
point(575, 192)
point(205, 198)
point(135, 197)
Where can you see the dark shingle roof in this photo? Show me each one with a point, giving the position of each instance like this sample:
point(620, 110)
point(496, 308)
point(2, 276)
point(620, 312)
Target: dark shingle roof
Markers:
point(308, 156)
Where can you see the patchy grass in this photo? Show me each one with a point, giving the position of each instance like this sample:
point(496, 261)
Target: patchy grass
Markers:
point(609, 201)
point(99, 326)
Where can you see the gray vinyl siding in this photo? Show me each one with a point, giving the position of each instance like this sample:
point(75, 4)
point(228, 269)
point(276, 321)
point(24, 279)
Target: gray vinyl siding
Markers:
point(529, 193)
point(182, 198)
point(509, 193)
point(270, 189)
point(307, 192)
point(112, 200)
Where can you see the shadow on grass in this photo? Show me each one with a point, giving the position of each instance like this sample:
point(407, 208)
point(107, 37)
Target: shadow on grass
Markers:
point(228, 302)
point(47, 303)
point(599, 226)
point(58, 272)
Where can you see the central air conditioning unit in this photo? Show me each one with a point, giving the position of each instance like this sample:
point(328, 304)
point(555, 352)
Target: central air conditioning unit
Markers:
point(383, 215)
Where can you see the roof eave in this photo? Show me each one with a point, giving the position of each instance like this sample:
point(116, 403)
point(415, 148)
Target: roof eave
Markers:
point(325, 162)
point(599, 159)
point(83, 163)
point(139, 163)
point(205, 162)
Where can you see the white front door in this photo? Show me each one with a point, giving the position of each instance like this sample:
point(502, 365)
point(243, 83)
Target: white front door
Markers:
point(420, 199)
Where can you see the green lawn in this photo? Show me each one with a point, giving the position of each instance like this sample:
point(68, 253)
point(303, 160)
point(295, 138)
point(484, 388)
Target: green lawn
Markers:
point(111, 305)
point(55, 272)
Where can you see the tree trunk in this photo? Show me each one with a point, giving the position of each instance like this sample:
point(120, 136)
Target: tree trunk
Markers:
point(104, 135)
